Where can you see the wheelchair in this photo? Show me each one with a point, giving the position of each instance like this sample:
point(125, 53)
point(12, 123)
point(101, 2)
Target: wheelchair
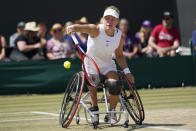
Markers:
point(129, 103)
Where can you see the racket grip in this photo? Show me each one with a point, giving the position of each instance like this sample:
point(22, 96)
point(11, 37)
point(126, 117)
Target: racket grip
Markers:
point(74, 39)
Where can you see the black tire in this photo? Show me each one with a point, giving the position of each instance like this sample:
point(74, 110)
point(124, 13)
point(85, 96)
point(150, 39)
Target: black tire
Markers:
point(70, 100)
point(132, 100)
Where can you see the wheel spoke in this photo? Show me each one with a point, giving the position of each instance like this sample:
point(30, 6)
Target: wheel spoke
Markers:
point(70, 99)
point(132, 100)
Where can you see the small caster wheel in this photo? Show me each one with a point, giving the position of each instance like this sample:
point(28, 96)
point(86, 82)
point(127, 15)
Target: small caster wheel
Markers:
point(126, 124)
point(139, 123)
point(106, 119)
point(94, 125)
point(77, 119)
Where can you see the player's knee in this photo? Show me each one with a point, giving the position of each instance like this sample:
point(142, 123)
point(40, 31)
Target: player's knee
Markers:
point(114, 87)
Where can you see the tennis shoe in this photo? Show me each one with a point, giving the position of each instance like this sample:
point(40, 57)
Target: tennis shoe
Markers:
point(111, 118)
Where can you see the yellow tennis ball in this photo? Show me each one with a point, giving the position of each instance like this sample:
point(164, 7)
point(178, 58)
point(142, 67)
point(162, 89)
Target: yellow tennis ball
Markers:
point(67, 64)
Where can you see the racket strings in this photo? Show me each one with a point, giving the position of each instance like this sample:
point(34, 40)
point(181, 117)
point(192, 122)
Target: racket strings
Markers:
point(91, 71)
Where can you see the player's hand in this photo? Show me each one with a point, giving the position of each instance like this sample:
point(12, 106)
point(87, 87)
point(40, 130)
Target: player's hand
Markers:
point(130, 77)
point(70, 30)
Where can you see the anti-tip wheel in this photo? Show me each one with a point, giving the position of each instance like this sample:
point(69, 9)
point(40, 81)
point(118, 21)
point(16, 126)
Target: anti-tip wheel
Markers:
point(77, 119)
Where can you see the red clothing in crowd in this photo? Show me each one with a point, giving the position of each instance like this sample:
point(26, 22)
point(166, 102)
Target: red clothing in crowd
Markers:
point(164, 37)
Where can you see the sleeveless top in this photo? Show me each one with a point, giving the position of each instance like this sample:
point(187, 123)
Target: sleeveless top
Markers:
point(102, 47)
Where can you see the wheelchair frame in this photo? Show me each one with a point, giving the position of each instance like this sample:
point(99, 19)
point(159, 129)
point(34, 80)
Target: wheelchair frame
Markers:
point(93, 114)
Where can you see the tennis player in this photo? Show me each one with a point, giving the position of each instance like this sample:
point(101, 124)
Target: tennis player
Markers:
point(104, 40)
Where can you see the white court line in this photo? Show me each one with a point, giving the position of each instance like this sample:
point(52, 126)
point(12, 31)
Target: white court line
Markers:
point(4, 113)
point(54, 114)
point(152, 127)
point(1, 121)
point(45, 113)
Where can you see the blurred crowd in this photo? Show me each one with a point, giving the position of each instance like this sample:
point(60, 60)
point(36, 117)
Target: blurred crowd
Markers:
point(34, 41)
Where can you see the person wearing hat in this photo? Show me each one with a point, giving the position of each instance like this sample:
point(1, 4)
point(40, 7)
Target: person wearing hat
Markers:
point(20, 31)
point(143, 37)
point(28, 44)
point(130, 46)
point(104, 40)
point(58, 47)
point(165, 38)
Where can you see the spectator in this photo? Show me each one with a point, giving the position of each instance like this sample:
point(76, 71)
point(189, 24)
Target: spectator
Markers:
point(164, 37)
point(130, 47)
point(2, 48)
point(143, 37)
point(82, 37)
point(58, 47)
point(44, 36)
point(28, 44)
point(20, 31)
point(68, 23)
point(42, 33)
point(194, 41)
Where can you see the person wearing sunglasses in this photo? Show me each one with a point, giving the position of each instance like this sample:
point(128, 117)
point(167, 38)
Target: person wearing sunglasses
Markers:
point(28, 44)
point(58, 47)
point(165, 38)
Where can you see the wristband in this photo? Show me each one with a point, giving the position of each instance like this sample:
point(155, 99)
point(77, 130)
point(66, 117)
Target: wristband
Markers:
point(126, 70)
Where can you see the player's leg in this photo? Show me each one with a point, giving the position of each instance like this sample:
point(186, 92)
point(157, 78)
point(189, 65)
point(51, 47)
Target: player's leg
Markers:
point(93, 95)
point(94, 107)
point(114, 88)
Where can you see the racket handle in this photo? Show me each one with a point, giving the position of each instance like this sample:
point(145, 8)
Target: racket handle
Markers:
point(74, 39)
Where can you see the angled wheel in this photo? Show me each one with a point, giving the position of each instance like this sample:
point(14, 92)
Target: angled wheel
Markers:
point(71, 99)
point(132, 99)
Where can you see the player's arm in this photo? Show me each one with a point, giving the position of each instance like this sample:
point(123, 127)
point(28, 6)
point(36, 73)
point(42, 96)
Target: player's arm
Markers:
point(121, 59)
point(91, 29)
point(119, 55)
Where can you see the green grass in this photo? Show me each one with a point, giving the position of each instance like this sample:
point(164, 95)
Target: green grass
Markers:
point(155, 99)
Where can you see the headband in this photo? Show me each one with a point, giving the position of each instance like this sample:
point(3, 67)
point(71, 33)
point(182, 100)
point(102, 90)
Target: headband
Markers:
point(111, 12)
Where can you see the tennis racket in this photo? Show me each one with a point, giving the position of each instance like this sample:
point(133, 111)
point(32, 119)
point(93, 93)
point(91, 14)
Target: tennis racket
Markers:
point(89, 66)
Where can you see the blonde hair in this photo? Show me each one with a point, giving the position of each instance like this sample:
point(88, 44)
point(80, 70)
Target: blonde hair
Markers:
point(114, 8)
point(143, 35)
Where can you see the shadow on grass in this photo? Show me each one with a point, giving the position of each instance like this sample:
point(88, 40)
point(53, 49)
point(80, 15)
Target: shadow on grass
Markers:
point(148, 125)
point(135, 127)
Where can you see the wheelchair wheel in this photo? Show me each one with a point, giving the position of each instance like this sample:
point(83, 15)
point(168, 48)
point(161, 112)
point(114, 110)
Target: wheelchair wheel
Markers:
point(132, 100)
point(71, 99)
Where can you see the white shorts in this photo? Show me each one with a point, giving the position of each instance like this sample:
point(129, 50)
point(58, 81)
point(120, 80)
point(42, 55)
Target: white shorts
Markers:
point(105, 70)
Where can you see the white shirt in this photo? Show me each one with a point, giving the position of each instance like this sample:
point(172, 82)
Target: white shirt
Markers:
point(102, 47)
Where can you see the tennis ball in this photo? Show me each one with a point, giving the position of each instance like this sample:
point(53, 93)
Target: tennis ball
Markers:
point(67, 64)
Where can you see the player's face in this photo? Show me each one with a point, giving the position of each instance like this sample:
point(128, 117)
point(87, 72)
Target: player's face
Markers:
point(110, 22)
